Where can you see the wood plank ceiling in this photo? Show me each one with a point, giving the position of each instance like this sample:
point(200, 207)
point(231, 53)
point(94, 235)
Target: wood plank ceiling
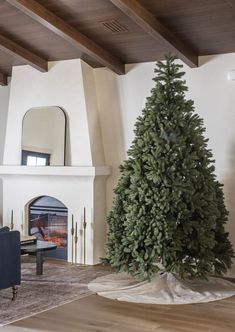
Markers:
point(112, 33)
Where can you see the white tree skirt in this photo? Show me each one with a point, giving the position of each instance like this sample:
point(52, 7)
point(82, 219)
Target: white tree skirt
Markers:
point(164, 288)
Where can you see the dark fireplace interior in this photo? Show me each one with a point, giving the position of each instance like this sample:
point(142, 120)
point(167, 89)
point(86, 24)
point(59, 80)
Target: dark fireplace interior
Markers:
point(48, 219)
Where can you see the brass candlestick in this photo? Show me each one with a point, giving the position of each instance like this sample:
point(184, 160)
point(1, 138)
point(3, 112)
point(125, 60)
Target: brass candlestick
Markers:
point(84, 236)
point(12, 223)
point(76, 241)
point(72, 234)
point(22, 225)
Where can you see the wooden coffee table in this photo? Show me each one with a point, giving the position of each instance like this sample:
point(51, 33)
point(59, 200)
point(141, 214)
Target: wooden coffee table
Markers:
point(37, 249)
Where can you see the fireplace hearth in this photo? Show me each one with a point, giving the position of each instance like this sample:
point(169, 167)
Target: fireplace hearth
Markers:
point(48, 221)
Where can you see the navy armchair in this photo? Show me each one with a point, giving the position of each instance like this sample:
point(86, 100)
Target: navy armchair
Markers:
point(10, 272)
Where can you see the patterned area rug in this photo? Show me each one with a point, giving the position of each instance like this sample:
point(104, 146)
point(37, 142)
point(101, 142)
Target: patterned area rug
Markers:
point(59, 284)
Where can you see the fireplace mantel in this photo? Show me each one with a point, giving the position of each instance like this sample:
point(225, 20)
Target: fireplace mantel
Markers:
point(55, 170)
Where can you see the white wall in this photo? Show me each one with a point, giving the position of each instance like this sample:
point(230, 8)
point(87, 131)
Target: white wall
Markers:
point(121, 99)
point(214, 97)
point(4, 101)
point(89, 90)
point(110, 113)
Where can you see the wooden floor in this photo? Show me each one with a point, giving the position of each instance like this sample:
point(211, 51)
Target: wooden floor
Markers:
point(97, 314)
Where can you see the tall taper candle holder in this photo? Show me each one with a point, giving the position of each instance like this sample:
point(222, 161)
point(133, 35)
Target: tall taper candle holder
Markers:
point(22, 225)
point(84, 236)
point(12, 223)
point(72, 234)
point(76, 241)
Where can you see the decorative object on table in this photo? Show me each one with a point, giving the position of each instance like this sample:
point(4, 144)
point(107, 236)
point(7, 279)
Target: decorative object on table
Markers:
point(12, 222)
point(72, 242)
point(76, 242)
point(168, 211)
point(84, 236)
point(27, 239)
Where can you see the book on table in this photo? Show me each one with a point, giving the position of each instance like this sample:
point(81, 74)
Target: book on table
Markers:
point(27, 239)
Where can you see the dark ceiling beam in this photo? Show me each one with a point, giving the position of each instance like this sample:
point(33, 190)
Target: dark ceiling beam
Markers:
point(69, 33)
point(148, 22)
point(3, 79)
point(14, 49)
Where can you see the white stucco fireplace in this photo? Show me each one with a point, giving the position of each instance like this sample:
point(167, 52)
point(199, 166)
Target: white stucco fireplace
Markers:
point(81, 183)
point(76, 187)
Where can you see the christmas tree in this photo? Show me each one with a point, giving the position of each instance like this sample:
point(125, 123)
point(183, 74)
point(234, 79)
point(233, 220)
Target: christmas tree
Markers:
point(168, 207)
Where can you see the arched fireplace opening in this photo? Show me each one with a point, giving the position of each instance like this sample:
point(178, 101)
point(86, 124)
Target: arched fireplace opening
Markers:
point(48, 221)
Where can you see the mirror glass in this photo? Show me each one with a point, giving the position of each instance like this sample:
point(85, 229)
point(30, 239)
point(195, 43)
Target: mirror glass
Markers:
point(43, 137)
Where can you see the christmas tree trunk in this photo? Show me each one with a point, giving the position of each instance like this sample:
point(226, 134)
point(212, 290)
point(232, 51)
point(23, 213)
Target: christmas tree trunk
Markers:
point(168, 207)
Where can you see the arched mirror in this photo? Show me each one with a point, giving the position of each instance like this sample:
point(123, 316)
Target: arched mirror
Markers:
point(43, 137)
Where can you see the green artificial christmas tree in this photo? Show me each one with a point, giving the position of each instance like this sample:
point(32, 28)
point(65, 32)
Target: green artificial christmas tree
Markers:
point(168, 207)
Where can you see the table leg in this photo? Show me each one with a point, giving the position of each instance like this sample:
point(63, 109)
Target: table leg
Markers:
point(39, 263)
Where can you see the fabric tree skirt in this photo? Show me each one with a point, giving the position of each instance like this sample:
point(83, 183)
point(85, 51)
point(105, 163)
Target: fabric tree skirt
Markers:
point(164, 288)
